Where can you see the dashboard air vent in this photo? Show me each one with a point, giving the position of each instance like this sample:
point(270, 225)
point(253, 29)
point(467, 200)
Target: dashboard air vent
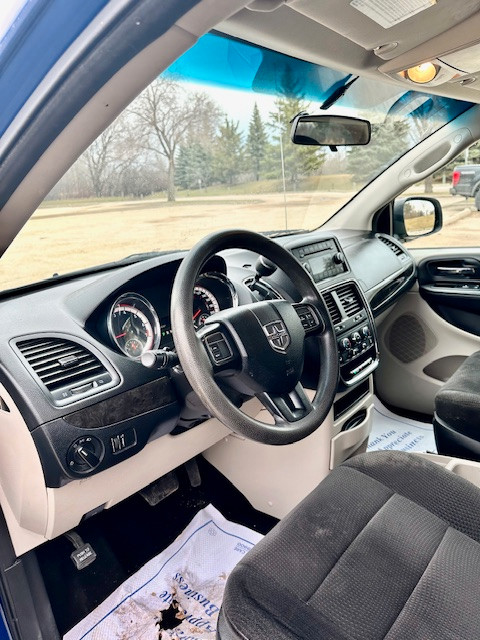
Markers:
point(67, 369)
point(332, 307)
point(349, 299)
point(392, 246)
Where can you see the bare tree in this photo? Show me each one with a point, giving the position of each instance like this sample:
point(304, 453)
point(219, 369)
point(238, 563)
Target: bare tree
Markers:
point(115, 152)
point(99, 158)
point(166, 113)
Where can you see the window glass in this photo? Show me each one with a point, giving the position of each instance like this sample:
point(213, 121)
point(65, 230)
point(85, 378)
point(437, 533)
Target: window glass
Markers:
point(455, 186)
point(206, 147)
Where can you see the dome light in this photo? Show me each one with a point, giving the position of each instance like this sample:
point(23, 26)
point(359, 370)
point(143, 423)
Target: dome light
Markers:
point(422, 73)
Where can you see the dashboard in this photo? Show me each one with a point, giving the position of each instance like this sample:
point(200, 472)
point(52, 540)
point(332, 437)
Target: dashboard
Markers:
point(71, 351)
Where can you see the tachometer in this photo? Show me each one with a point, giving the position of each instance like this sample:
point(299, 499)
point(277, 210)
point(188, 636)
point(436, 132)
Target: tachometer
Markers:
point(133, 325)
point(204, 304)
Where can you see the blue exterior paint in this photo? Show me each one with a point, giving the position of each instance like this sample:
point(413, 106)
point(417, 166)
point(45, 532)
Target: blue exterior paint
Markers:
point(4, 633)
point(37, 38)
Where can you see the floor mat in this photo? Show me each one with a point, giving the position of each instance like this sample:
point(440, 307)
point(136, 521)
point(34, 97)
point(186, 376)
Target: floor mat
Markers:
point(178, 593)
point(393, 432)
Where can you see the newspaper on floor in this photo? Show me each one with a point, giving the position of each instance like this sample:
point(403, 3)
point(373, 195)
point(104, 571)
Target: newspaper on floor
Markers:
point(181, 586)
point(391, 432)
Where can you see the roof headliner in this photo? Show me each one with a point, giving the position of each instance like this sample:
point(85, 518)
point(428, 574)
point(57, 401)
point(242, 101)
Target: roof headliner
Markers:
point(335, 34)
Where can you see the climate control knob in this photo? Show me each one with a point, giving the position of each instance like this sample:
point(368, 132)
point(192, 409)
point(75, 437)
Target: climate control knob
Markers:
point(345, 344)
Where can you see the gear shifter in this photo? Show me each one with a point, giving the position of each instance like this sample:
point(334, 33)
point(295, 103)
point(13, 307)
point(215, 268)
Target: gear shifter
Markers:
point(264, 267)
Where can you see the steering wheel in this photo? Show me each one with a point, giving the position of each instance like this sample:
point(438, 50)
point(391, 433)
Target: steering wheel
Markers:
point(257, 348)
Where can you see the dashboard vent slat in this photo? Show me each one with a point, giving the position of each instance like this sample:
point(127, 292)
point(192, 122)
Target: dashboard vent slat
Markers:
point(53, 356)
point(391, 245)
point(349, 299)
point(59, 363)
point(42, 368)
point(332, 307)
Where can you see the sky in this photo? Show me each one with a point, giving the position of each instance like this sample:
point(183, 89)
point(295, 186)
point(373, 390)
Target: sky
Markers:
point(9, 9)
point(237, 104)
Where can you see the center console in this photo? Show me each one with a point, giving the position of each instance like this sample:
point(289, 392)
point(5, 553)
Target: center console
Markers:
point(355, 330)
point(349, 311)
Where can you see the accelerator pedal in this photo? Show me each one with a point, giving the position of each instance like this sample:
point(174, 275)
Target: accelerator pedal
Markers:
point(193, 473)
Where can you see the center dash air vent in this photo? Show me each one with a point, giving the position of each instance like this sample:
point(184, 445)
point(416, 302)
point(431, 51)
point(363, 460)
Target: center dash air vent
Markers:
point(343, 302)
point(68, 369)
point(332, 307)
point(349, 299)
point(398, 251)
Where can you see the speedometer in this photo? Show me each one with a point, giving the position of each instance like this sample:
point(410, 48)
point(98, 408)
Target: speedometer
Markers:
point(133, 325)
point(204, 304)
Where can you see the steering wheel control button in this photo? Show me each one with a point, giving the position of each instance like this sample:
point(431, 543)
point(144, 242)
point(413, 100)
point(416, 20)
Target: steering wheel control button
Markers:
point(85, 454)
point(218, 348)
point(308, 317)
point(123, 441)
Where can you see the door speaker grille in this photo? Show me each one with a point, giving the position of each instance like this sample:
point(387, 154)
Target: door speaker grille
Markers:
point(409, 338)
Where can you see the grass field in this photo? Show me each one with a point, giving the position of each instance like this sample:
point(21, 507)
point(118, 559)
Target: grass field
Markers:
point(69, 235)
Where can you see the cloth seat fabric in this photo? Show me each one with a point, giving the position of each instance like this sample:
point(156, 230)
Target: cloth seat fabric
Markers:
point(387, 547)
point(457, 412)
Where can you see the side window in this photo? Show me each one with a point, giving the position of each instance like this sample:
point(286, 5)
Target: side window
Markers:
point(457, 187)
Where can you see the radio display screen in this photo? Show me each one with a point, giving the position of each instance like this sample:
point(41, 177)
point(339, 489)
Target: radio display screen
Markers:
point(318, 264)
point(322, 259)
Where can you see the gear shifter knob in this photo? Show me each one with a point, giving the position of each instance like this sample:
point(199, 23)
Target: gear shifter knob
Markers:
point(264, 267)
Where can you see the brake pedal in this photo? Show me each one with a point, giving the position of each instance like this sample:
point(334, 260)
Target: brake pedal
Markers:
point(83, 555)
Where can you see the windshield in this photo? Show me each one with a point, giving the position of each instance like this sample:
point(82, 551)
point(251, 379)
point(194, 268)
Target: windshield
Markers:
point(207, 146)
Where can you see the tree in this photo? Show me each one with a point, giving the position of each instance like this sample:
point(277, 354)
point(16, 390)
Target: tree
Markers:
point(298, 160)
point(166, 113)
point(229, 155)
point(257, 141)
point(387, 144)
point(194, 166)
point(104, 159)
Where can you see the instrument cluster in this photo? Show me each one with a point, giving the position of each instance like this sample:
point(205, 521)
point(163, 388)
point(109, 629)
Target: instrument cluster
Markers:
point(134, 325)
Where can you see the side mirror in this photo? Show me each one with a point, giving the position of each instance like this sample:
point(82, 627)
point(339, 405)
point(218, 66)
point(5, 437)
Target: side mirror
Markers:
point(416, 216)
point(330, 131)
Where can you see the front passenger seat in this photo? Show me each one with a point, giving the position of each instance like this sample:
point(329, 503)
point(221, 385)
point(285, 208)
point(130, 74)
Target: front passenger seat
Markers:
point(387, 547)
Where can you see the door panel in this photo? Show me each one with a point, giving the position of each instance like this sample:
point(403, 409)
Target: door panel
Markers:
point(451, 286)
point(431, 330)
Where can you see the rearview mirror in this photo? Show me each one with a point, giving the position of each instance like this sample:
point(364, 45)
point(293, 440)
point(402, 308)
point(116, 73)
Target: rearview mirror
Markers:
point(329, 130)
